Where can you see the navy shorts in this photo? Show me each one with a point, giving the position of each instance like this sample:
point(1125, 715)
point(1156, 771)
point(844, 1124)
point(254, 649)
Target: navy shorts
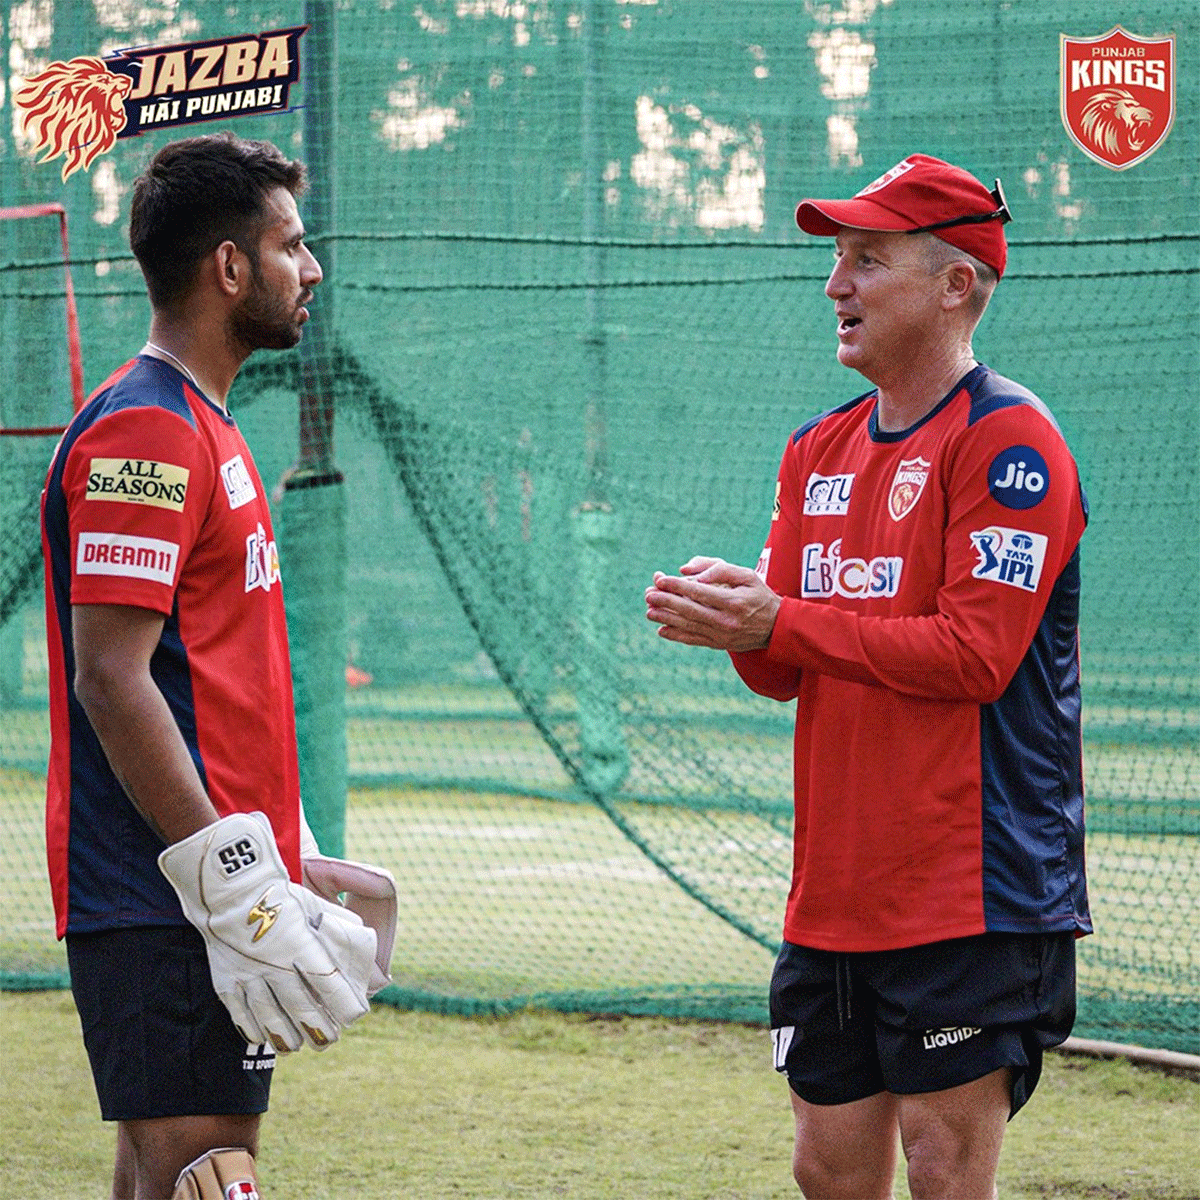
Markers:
point(160, 1042)
point(921, 1019)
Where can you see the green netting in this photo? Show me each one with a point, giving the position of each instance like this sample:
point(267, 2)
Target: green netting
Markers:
point(569, 325)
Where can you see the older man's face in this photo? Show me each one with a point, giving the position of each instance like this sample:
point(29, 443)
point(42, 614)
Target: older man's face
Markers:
point(886, 298)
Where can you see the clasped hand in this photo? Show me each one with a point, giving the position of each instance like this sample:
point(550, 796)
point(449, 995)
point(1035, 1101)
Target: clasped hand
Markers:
point(713, 603)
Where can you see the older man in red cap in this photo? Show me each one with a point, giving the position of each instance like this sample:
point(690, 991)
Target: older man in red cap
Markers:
point(918, 596)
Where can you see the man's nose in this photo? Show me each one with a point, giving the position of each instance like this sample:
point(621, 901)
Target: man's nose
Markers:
point(311, 274)
point(838, 283)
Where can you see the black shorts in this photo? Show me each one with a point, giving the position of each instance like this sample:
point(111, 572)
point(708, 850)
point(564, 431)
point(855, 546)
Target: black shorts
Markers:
point(921, 1019)
point(160, 1042)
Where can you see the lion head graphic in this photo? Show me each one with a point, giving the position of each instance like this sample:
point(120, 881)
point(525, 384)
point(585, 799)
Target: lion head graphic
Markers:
point(74, 109)
point(1113, 115)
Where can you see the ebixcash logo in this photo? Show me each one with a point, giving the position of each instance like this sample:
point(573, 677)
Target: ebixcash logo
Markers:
point(80, 108)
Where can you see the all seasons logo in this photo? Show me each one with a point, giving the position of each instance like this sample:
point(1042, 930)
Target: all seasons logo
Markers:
point(138, 481)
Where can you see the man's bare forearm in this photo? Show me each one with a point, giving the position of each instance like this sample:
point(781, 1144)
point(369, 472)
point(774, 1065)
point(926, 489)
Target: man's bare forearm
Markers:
point(133, 721)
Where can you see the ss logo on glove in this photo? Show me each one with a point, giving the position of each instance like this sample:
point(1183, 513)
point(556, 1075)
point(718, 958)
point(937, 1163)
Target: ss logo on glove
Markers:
point(237, 855)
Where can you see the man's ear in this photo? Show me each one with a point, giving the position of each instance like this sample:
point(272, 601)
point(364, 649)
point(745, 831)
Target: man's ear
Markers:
point(958, 282)
point(231, 268)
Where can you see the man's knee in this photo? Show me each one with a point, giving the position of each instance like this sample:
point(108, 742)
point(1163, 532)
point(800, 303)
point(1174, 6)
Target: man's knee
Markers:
point(936, 1170)
point(952, 1139)
point(163, 1148)
point(845, 1151)
point(819, 1178)
point(814, 1173)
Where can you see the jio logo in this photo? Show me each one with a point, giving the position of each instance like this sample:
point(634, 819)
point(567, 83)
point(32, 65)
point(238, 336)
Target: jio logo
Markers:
point(1018, 477)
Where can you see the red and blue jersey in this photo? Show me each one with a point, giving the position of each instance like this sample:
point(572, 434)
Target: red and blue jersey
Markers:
point(153, 500)
point(929, 632)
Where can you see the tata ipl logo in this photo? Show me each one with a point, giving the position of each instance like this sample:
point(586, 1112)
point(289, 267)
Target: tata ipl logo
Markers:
point(78, 109)
point(1011, 556)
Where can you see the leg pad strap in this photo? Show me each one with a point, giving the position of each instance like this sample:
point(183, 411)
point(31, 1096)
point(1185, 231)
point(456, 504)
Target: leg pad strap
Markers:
point(226, 1174)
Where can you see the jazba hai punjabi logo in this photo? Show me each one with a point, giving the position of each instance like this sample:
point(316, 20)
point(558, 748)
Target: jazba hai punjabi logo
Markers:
point(1118, 95)
point(78, 109)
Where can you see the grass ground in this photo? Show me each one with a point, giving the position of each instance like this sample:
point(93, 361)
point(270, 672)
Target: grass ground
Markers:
point(541, 1106)
point(563, 901)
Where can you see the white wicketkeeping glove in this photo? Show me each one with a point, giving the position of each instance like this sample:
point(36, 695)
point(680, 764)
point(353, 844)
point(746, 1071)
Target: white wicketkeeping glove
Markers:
point(291, 968)
point(370, 894)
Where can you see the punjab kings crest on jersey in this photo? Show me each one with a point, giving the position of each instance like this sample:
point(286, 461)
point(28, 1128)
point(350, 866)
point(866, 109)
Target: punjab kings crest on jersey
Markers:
point(911, 476)
point(1118, 95)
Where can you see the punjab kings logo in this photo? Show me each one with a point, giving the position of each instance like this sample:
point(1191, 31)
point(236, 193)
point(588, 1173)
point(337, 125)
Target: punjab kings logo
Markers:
point(901, 168)
point(911, 476)
point(78, 109)
point(1118, 95)
point(74, 109)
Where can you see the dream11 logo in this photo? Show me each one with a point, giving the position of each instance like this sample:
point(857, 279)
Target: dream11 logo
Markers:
point(1118, 95)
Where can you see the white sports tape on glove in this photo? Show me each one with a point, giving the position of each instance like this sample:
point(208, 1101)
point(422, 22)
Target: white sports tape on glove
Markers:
point(290, 967)
point(308, 840)
point(370, 892)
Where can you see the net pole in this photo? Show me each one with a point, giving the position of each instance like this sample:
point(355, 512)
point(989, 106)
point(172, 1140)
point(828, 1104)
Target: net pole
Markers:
point(12, 637)
point(26, 461)
point(595, 433)
point(313, 508)
point(604, 755)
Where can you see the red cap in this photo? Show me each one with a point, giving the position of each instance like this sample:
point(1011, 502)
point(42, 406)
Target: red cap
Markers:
point(921, 193)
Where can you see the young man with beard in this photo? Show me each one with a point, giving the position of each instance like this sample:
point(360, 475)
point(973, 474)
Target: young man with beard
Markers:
point(918, 596)
point(175, 835)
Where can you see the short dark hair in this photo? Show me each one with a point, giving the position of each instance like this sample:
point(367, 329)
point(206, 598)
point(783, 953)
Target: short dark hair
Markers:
point(196, 194)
